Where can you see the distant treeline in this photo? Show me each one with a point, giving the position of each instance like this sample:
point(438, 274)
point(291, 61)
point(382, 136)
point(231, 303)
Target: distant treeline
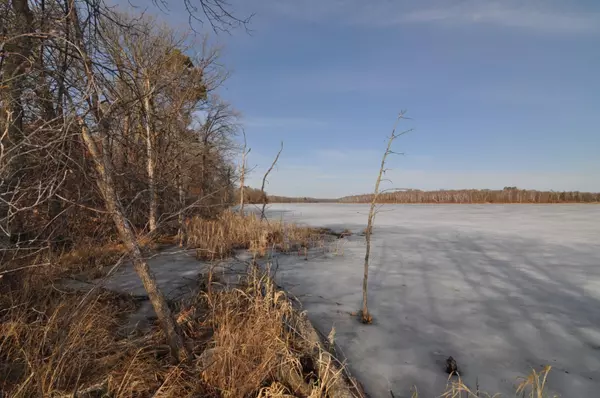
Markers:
point(288, 199)
point(256, 196)
point(506, 195)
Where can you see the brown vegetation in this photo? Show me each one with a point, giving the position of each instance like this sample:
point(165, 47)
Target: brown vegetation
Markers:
point(160, 159)
point(218, 238)
point(102, 149)
point(247, 341)
point(253, 196)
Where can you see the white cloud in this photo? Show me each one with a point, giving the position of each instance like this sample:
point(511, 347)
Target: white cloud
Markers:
point(523, 15)
point(542, 16)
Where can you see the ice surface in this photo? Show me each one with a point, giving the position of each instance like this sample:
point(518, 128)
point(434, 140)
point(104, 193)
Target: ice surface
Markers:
point(176, 271)
point(501, 288)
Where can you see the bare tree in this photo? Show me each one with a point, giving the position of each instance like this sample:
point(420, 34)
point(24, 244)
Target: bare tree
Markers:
point(365, 316)
point(217, 13)
point(150, 165)
point(264, 180)
point(245, 153)
point(220, 125)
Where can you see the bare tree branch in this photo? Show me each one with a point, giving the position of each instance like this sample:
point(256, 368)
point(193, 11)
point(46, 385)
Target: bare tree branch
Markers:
point(264, 180)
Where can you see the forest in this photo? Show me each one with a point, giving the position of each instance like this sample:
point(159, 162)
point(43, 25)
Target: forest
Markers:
point(479, 196)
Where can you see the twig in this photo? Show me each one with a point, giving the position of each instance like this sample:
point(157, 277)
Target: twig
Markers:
point(262, 188)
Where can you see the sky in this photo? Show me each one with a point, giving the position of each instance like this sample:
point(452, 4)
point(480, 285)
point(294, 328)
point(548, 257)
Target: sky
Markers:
point(499, 93)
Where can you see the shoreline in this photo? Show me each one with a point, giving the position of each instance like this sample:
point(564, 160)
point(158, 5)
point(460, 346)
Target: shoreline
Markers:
point(439, 203)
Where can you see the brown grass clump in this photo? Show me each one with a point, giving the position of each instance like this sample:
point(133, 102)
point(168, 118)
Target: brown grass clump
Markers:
point(252, 347)
point(91, 259)
point(534, 385)
point(52, 341)
point(218, 238)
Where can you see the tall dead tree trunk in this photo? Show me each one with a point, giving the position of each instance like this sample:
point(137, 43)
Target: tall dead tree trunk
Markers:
point(243, 174)
point(365, 316)
point(180, 216)
point(262, 188)
point(150, 166)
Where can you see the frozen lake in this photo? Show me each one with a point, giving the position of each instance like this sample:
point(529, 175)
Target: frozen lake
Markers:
point(501, 288)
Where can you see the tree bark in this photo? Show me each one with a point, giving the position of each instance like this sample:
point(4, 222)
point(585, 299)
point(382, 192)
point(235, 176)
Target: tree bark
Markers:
point(180, 216)
point(243, 175)
point(150, 166)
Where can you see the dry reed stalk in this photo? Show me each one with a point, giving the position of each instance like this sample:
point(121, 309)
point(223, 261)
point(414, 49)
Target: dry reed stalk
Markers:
point(218, 238)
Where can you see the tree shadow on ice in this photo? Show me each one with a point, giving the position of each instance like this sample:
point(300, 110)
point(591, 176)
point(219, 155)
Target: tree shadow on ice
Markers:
point(538, 313)
point(491, 303)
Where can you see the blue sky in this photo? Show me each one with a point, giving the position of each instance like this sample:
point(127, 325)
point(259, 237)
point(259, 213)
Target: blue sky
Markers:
point(499, 92)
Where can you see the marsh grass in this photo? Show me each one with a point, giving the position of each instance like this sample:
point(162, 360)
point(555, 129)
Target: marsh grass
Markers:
point(218, 238)
point(58, 343)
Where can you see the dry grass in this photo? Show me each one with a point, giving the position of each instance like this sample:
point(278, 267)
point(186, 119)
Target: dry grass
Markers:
point(532, 386)
point(254, 349)
point(218, 238)
point(53, 341)
point(89, 259)
point(67, 344)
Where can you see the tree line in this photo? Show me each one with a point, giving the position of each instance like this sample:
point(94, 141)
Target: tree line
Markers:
point(465, 196)
point(506, 195)
point(298, 199)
